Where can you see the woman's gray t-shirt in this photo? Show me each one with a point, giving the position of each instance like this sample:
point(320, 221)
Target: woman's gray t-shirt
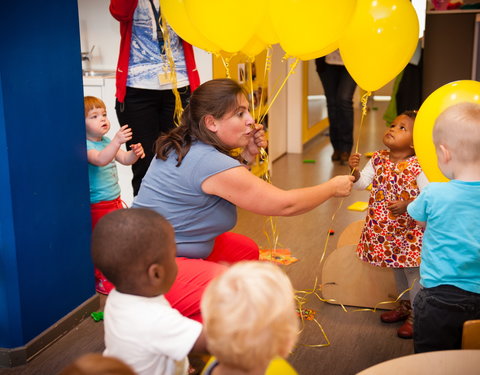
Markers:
point(176, 193)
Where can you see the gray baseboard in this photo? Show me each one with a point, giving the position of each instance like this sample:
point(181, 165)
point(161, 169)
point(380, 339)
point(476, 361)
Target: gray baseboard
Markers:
point(21, 355)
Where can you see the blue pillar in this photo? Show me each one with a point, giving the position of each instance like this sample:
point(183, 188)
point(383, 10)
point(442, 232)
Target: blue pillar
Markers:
point(45, 266)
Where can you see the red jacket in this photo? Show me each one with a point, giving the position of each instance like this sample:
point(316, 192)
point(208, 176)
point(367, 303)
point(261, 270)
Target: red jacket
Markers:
point(122, 11)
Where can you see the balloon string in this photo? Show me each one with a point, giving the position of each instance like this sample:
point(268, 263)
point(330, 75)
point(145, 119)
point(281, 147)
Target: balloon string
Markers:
point(316, 290)
point(226, 64)
point(177, 113)
point(364, 101)
point(292, 69)
point(333, 300)
point(267, 69)
point(250, 80)
point(270, 222)
point(300, 297)
point(300, 302)
point(273, 240)
point(328, 232)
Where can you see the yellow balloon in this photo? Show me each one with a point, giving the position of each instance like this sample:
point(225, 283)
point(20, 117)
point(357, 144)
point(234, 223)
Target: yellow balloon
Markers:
point(379, 41)
point(442, 98)
point(279, 366)
point(253, 47)
point(325, 51)
point(229, 24)
point(305, 27)
point(176, 15)
point(266, 32)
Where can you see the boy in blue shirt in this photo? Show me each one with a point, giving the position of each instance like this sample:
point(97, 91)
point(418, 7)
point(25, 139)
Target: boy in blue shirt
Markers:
point(450, 268)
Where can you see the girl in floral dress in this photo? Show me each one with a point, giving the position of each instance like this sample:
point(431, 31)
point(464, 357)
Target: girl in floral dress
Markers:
point(390, 236)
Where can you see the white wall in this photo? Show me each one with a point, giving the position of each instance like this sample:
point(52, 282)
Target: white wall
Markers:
point(98, 28)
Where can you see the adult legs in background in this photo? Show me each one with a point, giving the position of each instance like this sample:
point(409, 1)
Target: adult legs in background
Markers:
point(409, 94)
point(149, 113)
point(439, 316)
point(339, 88)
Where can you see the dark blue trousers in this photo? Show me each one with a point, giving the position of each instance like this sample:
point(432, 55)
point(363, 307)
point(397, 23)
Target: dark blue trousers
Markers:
point(439, 316)
point(339, 88)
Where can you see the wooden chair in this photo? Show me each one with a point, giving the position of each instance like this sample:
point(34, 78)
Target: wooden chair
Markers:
point(471, 334)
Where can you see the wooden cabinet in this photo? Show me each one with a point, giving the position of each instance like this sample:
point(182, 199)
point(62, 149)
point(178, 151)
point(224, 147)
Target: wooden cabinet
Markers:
point(451, 48)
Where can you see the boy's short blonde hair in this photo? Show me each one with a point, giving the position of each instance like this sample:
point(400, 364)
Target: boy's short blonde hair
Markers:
point(249, 315)
point(458, 127)
point(91, 102)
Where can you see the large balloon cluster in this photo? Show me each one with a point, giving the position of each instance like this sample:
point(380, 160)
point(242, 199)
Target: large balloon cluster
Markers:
point(376, 38)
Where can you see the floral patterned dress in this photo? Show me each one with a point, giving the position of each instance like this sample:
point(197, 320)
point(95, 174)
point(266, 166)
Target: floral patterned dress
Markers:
point(386, 240)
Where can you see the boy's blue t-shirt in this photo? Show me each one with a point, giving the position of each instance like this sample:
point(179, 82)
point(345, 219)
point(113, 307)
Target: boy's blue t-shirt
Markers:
point(451, 243)
point(176, 193)
point(103, 180)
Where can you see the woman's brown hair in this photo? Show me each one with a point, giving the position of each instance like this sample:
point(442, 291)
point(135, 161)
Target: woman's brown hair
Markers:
point(217, 98)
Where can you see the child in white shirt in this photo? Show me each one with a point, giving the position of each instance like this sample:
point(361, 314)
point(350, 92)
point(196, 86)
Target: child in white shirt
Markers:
point(135, 249)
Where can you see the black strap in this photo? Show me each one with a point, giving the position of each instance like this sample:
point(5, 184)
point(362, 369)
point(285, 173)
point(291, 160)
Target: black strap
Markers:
point(159, 29)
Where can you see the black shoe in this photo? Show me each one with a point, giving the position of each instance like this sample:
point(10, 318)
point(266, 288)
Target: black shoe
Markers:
point(344, 156)
point(336, 155)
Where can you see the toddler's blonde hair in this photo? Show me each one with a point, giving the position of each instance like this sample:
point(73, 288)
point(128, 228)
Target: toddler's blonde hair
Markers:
point(249, 315)
point(92, 102)
point(458, 127)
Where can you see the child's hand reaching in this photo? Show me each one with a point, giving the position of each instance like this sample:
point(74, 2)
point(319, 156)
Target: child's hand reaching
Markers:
point(354, 160)
point(398, 207)
point(123, 135)
point(137, 149)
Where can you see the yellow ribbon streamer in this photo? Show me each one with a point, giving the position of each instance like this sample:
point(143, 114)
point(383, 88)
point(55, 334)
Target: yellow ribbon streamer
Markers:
point(226, 63)
point(177, 113)
point(290, 72)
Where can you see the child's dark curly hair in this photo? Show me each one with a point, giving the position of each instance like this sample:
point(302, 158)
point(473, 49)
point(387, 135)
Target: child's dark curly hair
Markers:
point(410, 113)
